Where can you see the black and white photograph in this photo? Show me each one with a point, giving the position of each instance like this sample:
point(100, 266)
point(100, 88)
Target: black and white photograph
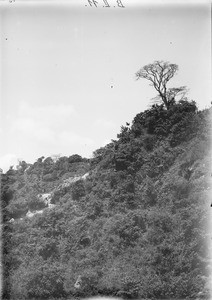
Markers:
point(105, 150)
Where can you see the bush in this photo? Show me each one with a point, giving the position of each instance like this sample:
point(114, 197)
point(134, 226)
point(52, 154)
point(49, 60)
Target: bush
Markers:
point(75, 158)
point(18, 209)
point(78, 190)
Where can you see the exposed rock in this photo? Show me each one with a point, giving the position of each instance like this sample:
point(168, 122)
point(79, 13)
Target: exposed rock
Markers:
point(78, 283)
point(46, 198)
point(30, 214)
point(51, 205)
point(85, 176)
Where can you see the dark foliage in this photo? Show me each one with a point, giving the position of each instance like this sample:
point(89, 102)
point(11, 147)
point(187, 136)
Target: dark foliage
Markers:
point(131, 222)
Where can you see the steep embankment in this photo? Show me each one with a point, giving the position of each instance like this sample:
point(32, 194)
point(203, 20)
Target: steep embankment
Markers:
point(45, 201)
point(136, 227)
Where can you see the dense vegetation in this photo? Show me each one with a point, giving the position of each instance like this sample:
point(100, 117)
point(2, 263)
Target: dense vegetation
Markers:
point(135, 227)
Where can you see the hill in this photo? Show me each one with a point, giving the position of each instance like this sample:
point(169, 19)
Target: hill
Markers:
point(131, 222)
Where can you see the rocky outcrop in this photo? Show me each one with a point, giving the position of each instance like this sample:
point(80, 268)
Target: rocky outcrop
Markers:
point(47, 197)
point(30, 214)
point(67, 182)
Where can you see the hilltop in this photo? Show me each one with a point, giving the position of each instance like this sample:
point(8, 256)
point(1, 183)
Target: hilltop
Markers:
point(130, 222)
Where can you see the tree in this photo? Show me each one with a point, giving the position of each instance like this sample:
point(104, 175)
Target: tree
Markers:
point(159, 73)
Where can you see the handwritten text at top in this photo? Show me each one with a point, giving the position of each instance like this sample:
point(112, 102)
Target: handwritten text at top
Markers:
point(106, 3)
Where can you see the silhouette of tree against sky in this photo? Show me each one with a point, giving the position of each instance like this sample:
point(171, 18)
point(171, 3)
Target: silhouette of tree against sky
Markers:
point(159, 73)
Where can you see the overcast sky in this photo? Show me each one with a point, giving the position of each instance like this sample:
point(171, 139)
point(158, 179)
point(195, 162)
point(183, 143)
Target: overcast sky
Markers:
point(68, 70)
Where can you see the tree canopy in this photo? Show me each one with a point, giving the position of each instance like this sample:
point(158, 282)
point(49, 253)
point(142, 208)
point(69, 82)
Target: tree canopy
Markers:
point(159, 73)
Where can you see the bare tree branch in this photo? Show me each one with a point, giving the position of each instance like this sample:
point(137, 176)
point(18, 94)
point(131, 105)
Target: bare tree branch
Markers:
point(159, 73)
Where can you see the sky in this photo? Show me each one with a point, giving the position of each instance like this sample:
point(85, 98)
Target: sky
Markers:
point(67, 80)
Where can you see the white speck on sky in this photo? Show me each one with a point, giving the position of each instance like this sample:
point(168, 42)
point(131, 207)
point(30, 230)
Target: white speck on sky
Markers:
point(68, 70)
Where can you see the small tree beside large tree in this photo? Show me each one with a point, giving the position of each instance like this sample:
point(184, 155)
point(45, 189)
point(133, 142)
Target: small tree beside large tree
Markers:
point(159, 73)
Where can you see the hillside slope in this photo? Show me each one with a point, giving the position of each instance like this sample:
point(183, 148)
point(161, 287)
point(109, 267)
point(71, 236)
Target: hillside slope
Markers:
point(130, 222)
